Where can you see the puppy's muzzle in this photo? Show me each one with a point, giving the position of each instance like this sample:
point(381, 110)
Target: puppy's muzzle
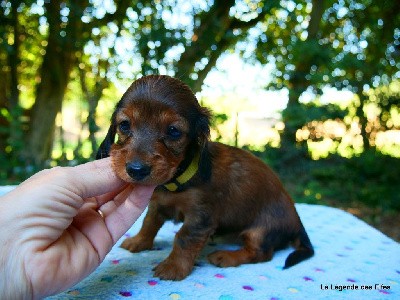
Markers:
point(138, 170)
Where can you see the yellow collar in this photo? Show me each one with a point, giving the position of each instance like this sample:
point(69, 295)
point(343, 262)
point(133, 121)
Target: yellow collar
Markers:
point(191, 170)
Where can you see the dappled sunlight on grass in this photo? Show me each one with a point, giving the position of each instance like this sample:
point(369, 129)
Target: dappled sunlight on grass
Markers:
point(322, 138)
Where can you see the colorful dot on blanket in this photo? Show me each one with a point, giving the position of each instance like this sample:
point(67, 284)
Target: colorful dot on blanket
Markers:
point(107, 279)
point(174, 296)
point(306, 278)
point(199, 285)
point(219, 276)
point(125, 293)
point(319, 270)
point(115, 261)
point(74, 293)
point(152, 282)
point(131, 272)
point(247, 288)
point(293, 290)
point(351, 280)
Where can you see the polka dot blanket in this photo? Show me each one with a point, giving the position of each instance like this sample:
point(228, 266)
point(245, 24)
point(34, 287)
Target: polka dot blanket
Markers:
point(352, 261)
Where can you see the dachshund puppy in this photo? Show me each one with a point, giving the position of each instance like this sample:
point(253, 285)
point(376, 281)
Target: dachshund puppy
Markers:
point(159, 135)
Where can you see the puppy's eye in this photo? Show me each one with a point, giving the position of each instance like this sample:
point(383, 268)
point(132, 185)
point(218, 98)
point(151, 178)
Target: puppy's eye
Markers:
point(124, 127)
point(174, 132)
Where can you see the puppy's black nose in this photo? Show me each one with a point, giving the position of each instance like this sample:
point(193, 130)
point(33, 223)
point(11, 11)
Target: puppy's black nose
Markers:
point(138, 170)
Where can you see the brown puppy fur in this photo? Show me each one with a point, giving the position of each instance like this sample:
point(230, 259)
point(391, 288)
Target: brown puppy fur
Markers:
point(162, 132)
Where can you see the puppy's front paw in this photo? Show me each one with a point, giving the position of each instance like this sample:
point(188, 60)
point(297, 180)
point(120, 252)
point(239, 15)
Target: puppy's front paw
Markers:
point(136, 244)
point(223, 259)
point(171, 270)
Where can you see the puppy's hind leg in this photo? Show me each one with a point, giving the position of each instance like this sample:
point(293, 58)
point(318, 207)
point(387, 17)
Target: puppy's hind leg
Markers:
point(251, 252)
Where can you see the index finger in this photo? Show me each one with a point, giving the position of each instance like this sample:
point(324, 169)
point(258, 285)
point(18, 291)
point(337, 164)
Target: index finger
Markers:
point(94, 178)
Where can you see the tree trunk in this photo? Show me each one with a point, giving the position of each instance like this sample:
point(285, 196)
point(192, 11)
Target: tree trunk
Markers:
point(54, 75)
point(50, 94)
point(363, 121)
point(10, 94)
point(292, 118)
point(93, 97)
point(298, 82)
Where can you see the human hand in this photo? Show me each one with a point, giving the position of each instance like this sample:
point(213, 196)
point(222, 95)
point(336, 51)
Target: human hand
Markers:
point(51, 233)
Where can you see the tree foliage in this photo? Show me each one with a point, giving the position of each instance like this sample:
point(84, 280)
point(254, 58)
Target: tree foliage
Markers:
point(95, 42)
point(48, 48)
point(345, 44)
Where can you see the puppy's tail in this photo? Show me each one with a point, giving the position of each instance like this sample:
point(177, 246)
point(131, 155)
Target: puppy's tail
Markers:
point(304, 249)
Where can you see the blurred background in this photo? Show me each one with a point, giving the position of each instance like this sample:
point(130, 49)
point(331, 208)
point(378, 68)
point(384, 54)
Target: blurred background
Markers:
point(311, 87)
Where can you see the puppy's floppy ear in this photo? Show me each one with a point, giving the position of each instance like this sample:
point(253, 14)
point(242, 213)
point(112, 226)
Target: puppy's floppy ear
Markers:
point(203, 126)
point(105, 146)
point(203, 135)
